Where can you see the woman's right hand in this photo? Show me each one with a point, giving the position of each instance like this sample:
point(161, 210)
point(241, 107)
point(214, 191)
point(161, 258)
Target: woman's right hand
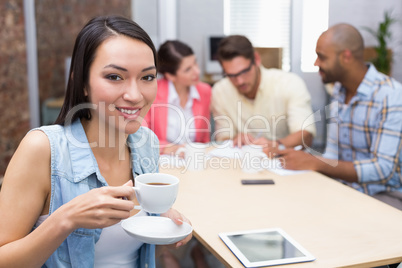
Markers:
point(99, 208)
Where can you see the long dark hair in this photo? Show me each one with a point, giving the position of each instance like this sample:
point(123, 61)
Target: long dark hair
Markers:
point(96, 31)
point(170, 55)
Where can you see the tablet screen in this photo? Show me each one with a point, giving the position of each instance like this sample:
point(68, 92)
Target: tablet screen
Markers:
point(265, 247)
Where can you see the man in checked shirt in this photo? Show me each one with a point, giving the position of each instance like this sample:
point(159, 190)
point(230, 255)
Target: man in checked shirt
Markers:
point(364, 140)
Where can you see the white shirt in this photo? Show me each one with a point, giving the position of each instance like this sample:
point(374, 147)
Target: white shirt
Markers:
point(116, 248)
point(180, 123)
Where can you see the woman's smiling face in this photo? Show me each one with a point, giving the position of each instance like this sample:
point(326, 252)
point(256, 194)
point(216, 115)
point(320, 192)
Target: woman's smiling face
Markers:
point(122, 83)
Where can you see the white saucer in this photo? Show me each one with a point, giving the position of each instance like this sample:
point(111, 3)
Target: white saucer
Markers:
point(156, 230)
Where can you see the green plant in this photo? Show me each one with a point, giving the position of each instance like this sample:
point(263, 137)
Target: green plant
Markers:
point(383, 59)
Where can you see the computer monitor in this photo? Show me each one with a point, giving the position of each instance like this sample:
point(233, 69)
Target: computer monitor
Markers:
point(211, 62)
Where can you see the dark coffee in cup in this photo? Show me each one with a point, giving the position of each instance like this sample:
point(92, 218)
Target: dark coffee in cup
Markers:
point(158, 183)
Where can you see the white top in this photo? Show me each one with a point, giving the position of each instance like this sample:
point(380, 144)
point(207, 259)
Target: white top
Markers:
point(115, 248)
point(180, 123)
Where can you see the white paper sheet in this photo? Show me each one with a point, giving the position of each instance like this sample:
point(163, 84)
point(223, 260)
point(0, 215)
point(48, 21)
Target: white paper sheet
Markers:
point(273, 165)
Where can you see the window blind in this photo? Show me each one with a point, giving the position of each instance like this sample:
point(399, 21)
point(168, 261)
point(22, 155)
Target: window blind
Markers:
point(266, 23)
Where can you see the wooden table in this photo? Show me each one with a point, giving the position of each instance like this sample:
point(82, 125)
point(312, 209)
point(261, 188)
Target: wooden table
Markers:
point(338, 225)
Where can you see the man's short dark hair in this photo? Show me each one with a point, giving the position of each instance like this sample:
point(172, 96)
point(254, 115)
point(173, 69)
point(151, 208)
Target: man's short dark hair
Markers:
point(234, 46)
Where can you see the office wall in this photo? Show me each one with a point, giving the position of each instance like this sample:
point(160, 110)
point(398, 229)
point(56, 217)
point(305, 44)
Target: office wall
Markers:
point(57, 25)
point(14, 102)
point(369, 13)
point(198, 21)
point(195, 20)
point(145, 13)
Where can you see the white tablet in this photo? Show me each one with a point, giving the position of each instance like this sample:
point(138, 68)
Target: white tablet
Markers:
point(265, 247)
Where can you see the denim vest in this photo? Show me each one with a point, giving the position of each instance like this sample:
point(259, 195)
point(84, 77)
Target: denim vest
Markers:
point(74, 171)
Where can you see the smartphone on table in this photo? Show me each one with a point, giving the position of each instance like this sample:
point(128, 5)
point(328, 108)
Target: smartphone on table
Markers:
point(257, 181)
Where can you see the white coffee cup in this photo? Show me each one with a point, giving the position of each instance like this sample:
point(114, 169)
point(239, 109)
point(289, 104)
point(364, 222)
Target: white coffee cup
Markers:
point(252, 157)
point(194, 155)
point(156, 192)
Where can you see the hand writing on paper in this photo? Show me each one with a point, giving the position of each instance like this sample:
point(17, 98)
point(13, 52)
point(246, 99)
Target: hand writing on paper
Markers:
point(295, 159)
point(242, 139)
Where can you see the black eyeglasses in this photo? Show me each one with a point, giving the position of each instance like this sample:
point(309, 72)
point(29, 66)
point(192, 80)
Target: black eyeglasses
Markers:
point(244, 71)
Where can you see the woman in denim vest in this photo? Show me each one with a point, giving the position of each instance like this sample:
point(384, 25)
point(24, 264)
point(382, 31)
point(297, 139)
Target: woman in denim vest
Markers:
point(68, 185)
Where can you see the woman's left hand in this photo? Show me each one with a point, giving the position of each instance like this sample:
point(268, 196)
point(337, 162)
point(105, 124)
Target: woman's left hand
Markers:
point(178, 218)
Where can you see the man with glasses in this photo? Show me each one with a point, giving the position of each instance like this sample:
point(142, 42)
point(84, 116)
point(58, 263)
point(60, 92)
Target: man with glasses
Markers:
point(255, 105)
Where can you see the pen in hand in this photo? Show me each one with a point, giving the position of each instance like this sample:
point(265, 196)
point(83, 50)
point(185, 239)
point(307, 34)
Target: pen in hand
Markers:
point(282, 147)
point(296, 148)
